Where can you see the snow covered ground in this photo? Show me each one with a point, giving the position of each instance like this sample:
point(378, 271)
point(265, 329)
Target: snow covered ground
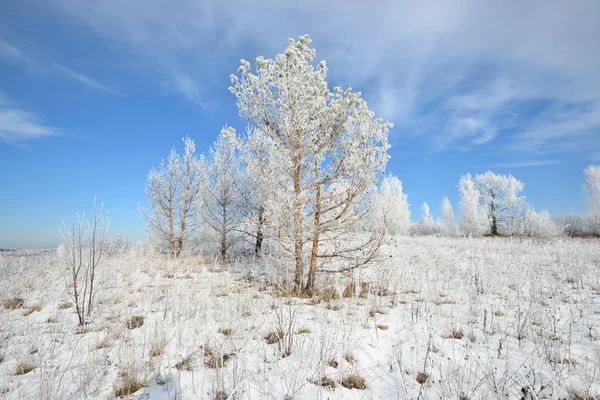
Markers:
point(450, 318)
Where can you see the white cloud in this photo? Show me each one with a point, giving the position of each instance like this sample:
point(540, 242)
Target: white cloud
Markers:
point(18, 126)
point(428, 67)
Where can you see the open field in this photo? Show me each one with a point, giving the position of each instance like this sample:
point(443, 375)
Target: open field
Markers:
point(450, 318)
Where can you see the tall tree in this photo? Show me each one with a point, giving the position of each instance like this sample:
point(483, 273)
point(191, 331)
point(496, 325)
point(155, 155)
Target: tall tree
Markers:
point(171, 191)
point(329, 148)
point(449, 224)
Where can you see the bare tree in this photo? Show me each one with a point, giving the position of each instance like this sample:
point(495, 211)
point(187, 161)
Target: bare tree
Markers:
point(171, 191)
point(84, 245)
point(328, 148)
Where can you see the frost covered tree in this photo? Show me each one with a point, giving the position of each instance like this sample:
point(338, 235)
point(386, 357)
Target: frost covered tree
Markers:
point(391, 212)
point(328, 150)
point(171, 191)
point(426, 217)
point(448, 223)
point(259, 180)
point(592, 197)
point(426, 224)
point(473, 216)
point(499, 195)
point(221, 201)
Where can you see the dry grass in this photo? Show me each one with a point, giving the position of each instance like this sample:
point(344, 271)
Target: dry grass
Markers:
point(24, 367)
point(187, 364)
point(31, 310)
point(274, 337)
point(325, 382)
point(303, 330)
point(135, 322)
point(349, 358)
point(214, 361)
point(13, 303)
point(129, 385)
point(225, 331)
point(382, 327)
point(353, 381)
point(104, 343)
point(63, 305)
point(422, 378)
point(455, 334)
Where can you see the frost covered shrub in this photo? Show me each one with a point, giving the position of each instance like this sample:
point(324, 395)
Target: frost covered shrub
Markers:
point(539, 225)
point(574, 225)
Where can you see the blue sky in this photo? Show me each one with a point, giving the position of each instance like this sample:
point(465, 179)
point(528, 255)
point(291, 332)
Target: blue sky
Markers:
point(93, 94)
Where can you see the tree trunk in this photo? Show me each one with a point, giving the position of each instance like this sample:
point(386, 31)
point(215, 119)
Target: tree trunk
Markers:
point(310, 282)
point(224, 233)
point(171, 229)
point(494, 226)
point(259, 233)
point(298, 228)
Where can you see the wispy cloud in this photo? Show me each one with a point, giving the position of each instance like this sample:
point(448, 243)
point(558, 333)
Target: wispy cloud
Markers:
point(463, 76)
point(86, 80)
point(13, 54)
point(524, 164)
point(18, 126)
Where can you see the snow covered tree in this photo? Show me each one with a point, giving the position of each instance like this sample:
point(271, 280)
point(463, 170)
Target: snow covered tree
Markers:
point(499, 194)
point(592, 197)
point(391, 212)
point(473, 216)
point(221, 200)
point(449, 224)
point(426, 217)
point(328, 149)
point(171, 191)
point(259, 184)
